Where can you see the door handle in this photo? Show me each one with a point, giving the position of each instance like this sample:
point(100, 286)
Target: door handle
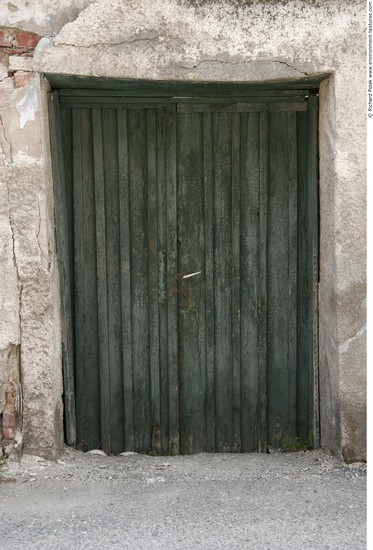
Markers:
point(191, 275)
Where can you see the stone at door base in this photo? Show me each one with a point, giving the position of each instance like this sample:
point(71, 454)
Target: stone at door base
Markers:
point(96, 452)
point(128, 453)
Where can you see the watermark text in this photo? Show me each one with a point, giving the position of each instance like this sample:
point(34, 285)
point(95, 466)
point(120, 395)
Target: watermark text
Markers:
point(370, 75)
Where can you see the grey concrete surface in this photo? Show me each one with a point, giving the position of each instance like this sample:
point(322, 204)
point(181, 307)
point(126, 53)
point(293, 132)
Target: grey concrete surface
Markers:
point(245, 501)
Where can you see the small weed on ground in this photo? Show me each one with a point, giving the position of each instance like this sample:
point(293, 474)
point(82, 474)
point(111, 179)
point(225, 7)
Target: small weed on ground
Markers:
point(296, 444)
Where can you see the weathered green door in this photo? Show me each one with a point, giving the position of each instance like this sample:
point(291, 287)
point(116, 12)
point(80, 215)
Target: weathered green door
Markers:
point(191, 244)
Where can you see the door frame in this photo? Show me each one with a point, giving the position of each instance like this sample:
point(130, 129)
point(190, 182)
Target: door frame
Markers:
point(140, 91)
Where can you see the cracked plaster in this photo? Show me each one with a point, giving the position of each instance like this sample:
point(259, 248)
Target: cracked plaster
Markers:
point(29, 304)
point(42, 16)
point(185, 36)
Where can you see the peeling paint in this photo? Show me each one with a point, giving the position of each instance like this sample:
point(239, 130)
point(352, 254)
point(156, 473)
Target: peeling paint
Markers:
point(29, 104)
point(9, 286)
point(10, 397)
point(344, 347)
point(4, 142)
point(43, 45)
point(22, 158)
point(41, 236)
point(44, 16)
point(15, 263)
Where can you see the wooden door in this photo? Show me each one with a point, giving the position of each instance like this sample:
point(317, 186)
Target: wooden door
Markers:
point(191, 240)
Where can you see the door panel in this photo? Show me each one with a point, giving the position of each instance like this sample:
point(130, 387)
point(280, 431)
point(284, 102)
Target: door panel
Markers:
point(191, 252)
point(281, 278)
point(193, 260)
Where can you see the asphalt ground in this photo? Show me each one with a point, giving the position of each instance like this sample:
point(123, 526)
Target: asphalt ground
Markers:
point(302, 500)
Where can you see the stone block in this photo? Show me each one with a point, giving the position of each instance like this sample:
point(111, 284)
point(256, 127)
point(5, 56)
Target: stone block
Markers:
point(9, 424)
point(5, 38)
point(22, 78)
point(3, 71)
point(20, 63)
point(18, 41)
point(26, 39)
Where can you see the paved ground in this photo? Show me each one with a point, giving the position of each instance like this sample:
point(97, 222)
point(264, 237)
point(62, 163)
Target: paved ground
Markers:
point(283, 501)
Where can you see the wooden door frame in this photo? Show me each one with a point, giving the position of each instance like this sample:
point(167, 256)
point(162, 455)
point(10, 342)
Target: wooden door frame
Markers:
point(147, 92)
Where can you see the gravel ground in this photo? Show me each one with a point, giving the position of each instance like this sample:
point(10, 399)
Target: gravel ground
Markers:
point(276, 501)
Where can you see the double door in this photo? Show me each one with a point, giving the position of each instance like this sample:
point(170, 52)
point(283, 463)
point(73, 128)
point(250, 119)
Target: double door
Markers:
point(191, 246)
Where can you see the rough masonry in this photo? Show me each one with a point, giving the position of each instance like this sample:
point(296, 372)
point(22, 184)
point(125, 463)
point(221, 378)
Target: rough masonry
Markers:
point(30, 389)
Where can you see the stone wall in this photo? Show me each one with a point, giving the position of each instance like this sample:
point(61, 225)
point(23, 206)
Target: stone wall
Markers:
point(183, 40)
point(29, 302)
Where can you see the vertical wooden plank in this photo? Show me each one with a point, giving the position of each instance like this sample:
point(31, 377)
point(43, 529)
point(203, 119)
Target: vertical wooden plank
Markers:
point(235, 285)
point(110, 159)
point(307, 306)
point(155, 412)
point(172, 318)
point(292, 273)
point(86, 367)
point(313, 202)
point(67, 159)
point(307, 383)
point(102, 301)
point(278, 286)
point(263, 281)
point(125, 278)
point(86, 324)
point(63, 236)
point(222, 279)
point(190, 231)
point(304, 314)
point(209, 278)
point(253, 388)
point(79, 279)
point(137, 141)
point(162, 276)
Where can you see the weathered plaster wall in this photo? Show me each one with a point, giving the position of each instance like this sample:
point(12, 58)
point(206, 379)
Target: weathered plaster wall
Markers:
point(29, 297)
point(45, 17)
point(166, 39)
point(247, 40)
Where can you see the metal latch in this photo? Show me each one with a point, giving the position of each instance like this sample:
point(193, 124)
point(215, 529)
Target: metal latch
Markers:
point(191, 275)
